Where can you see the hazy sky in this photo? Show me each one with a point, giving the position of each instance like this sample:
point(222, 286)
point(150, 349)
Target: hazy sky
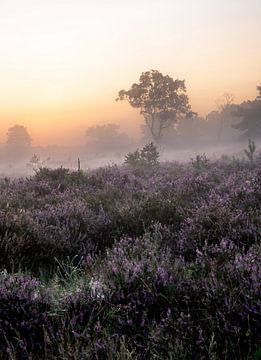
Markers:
point(62, 62)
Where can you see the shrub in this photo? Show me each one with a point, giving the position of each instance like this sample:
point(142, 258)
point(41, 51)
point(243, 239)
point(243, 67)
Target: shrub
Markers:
point(24, 308)
point(148, 156)
point(200, 162)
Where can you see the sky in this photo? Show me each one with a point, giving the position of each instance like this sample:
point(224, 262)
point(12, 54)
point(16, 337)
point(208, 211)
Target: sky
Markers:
point(62, 62)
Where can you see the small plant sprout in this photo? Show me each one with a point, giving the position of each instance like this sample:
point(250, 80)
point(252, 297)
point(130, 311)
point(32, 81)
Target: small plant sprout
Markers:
point(68, 270)
point(35, 162)
point(251, 150)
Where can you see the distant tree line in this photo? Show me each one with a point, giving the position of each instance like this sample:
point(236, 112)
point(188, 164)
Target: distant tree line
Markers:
point(168, 120)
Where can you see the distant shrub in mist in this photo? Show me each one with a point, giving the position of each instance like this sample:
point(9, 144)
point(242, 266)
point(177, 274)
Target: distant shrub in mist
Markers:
point(104, 139)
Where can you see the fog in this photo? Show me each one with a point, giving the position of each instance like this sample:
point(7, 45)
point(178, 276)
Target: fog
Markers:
point(220, 133)
point(61, 159)
point(168, 121)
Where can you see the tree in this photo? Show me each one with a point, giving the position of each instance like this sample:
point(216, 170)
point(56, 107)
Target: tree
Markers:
point(17, 136)
point(222, 105)
point(227, 99)
point(162, 101)
point(259, 90)
point(18, 142)
point(106, 138)
point(250, 114)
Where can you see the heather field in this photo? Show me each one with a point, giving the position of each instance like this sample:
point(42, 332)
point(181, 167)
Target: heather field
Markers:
point(132, 262)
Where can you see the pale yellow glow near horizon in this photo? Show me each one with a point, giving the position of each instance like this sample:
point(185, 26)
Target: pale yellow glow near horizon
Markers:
point(62, 62)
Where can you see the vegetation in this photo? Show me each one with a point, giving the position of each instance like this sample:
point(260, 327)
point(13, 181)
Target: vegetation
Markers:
point(259, 91)
point(102, 139)
point(161, 101)
point(148, 156)
point(18, 142)
point(250, 114)
point(18, 136)
point(119, 264)
point(251, 150)
point(250, 124)
point(200, 161)
point(166, 121)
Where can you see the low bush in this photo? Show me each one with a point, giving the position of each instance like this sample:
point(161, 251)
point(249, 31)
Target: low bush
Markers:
point(24, 309)
point(148, 156)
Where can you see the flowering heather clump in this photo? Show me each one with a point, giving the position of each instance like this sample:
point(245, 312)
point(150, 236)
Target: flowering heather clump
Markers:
point(137, 272)
point(216, 222)
point(24, 308)
point(133, 263)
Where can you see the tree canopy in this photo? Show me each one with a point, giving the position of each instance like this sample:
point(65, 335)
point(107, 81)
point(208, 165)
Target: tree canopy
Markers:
point(106, 138)
point(18, 136)
point(250, 114)
point(161, 100)
point(259, 90)
point(18, 143)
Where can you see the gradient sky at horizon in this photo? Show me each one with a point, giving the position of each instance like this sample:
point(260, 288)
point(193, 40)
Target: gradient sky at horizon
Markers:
point(62, 62)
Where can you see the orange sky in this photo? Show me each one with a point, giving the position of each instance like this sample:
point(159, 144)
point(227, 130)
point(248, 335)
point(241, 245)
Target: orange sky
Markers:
point(62, 62)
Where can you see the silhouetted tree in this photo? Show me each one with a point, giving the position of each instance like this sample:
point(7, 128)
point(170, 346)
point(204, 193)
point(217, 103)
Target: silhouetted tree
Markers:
point(226, 100)
point(190, 132)
point(222, 105)
point(259, 90)
point(18, 136)
point(161, 100)
point(250, 114)
point(18, 142)
point(106, 138)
